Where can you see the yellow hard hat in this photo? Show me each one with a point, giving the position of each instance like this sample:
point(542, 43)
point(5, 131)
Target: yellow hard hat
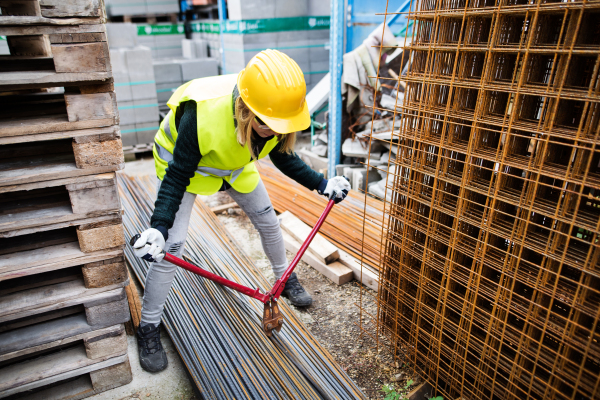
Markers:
point(272, 86)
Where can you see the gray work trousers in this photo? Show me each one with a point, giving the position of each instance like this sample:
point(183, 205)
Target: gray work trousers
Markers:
point(257, 207)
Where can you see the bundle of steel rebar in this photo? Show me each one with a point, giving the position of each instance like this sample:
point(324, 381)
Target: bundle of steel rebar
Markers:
point(217, 331)
point(344, 225)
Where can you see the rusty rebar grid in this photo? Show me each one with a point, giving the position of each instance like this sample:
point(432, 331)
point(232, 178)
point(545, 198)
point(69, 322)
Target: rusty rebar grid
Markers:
point(490, 258)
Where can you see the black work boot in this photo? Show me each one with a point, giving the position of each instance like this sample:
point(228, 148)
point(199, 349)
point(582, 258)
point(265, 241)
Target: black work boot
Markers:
point(295, 293)
point(152, 355)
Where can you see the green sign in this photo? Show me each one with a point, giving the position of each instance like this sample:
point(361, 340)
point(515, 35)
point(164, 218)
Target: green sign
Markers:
point(276, 25)
point(206, 27)
point(166, 29)
point(240, 27)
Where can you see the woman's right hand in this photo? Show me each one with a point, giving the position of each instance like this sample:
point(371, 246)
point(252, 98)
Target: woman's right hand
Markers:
point(149, 246)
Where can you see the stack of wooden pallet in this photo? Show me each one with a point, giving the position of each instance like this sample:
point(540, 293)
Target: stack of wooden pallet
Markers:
point(62, 272)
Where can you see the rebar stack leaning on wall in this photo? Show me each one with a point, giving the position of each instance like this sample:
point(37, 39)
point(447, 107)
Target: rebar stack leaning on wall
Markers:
point(490, 281)
point(344, 225)
point(217, 331)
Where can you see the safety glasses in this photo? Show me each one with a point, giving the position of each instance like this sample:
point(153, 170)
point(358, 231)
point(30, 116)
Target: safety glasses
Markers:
point(261, 124)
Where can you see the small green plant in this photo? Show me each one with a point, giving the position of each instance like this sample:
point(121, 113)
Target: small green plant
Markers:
point(437, 398)
point(391, 394)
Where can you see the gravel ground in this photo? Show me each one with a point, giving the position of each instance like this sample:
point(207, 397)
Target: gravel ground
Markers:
point(334, 315)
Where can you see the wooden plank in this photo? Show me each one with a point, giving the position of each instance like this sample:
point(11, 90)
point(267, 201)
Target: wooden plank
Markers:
point(81, 57)
point(335, 271)
point(135, 306)
point(98, 154)
point(114, 312)
point(18, 30)
point(51, 127)
point(105, 378)
point(35, 169)
point(50, 334)
point(9, 20)
point(224, 207)
point(50, 258)
point(55, 367)
point(95, 199)
point(106, 344)
point(16, 80)
point(71, 8)
point(108, 378)
point(88, 37)
point(58, 182)
point(83, 107)
point(64, 275)
point(36, 319)
point(100, 238)
point(422, 392)
point(34, 227)
point(367, 277)
point(59, 214)
point(105, 272)
point(54, 297)
point(319, 247)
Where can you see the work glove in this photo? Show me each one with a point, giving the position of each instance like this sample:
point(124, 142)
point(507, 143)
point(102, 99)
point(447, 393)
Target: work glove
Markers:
point(338, 185)
point(150, 245)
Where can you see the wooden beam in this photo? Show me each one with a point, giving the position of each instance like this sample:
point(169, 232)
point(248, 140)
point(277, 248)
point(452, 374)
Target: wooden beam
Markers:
point(224, 207)
point(320, 247)
point(335, 271)
point(135, 306)
point(365, 275)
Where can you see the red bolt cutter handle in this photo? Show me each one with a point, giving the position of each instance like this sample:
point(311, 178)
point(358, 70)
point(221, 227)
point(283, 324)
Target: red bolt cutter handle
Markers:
point(276, 290)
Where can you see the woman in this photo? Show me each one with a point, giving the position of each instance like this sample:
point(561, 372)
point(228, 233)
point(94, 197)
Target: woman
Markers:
point(208, 142)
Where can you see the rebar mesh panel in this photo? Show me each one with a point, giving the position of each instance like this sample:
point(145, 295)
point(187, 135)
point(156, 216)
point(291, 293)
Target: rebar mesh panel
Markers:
point(490, 276)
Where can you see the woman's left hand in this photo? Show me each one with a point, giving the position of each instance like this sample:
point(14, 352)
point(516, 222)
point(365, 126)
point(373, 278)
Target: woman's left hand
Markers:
point(338, 187)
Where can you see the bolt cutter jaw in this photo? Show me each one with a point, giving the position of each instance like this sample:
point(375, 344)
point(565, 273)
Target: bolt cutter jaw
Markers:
point(272, 318)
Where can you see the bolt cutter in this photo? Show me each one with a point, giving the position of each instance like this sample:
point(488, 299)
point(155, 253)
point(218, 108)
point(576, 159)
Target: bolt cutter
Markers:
point(272, 318)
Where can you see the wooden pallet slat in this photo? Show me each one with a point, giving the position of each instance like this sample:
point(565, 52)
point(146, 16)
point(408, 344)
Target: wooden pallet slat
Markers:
point(86, 385)
point(53, 58)
point(49, 334)
point(67, 294)
point(51, 12)
point(94, 199)
point(26, 163)
point(51, 258)
point(81, 57)
point(53, 368)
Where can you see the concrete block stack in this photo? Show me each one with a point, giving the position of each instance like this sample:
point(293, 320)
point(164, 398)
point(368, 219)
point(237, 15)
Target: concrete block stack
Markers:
point(194, 48)
point(62, 270)
point(170, 74)
point(117, 8)
point(209, 31)
point(163, 39)
point(287, 26)
point(135, 86)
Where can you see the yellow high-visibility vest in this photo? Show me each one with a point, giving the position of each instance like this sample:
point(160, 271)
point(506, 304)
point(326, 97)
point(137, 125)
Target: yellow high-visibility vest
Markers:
point(223, 158)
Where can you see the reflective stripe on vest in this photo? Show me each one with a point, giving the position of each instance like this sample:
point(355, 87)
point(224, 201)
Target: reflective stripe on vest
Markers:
point(204, 171)
point(167, 129)
point(163, 153)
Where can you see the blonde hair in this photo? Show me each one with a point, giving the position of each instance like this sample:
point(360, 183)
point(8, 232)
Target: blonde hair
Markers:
point(244, 117)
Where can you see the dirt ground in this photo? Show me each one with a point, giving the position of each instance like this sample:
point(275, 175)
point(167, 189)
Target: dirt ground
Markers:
point(334, 315)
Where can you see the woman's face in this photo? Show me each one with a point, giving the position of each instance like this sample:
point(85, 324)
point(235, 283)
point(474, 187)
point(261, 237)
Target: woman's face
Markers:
point(265, 133)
